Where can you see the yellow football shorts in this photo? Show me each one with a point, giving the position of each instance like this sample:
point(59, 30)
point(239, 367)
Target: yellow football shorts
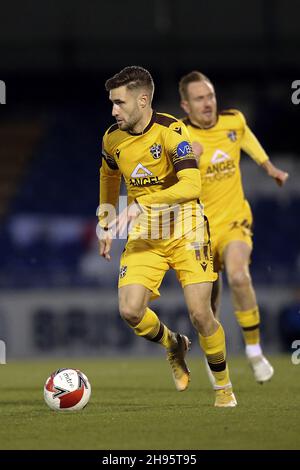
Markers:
point(146, 261)
point(236, 229)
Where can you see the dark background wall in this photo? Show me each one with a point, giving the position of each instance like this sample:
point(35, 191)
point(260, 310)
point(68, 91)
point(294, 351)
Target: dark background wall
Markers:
point(60, 52)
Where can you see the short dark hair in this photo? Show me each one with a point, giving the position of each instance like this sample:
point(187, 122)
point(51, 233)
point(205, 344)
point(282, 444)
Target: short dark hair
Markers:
point(133, 77)
point(194, 76)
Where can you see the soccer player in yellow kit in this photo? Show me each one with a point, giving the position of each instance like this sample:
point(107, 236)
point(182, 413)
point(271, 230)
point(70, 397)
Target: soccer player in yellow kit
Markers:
point(153, 154)
point(218, 138)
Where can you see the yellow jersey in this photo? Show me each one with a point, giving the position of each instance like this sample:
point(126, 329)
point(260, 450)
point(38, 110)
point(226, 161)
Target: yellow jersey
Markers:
point(158, 164)
point(222, 191)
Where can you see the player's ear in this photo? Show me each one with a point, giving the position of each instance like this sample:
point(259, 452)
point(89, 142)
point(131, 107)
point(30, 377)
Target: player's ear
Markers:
point(185, 106)
point(143, 100)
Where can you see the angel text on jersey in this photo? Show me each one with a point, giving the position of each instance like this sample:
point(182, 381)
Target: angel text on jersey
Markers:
point(222, 166)
point(141, 176)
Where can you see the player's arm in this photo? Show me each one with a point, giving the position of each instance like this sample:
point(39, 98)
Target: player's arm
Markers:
point(187, 189)
point(188, 186)
point(279, 176)
point(253, 148)
point(110, 181)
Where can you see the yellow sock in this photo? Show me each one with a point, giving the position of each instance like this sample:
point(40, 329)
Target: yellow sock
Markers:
point(249, 322)
point(215, 350)
point(151, 328)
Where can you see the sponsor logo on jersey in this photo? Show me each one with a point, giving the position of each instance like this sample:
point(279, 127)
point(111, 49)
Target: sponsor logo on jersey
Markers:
point(183, 149)
point(146, 181)
point(222, 167)
point(141, 176)
point(140, 171)
point(155, 151)
point(219, 156)
point(232, 136)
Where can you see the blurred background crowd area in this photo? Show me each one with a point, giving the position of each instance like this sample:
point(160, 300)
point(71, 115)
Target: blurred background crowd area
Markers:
point(54, 59)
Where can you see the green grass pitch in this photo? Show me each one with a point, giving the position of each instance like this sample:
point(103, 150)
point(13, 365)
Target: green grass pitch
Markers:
point(134, 405)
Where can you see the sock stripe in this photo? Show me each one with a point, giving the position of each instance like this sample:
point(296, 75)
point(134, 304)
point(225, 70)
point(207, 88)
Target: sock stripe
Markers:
point(213, 358)
point(159, 335)
point(250, 328)
point(215, 351)
point(217, 367)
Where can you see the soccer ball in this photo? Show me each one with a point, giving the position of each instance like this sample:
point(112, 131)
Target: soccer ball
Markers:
point(67, 390)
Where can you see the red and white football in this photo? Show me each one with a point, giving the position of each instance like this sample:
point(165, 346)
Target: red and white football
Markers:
point(67, 390)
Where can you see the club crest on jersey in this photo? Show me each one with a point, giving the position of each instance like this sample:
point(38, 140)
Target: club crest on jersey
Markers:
point(183, 149)
point(232, 136)
point(156, 150)
point(123, 271)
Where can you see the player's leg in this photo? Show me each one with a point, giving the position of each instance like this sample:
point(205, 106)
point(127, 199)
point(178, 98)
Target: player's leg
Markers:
point(218, 267)
point(141, 273)
point(133, 306)
point(192, 260)
point(215, 302)
point(211, 338)
point(215, 306)
point(216, 296)
point(236, 258)
point(133, 301)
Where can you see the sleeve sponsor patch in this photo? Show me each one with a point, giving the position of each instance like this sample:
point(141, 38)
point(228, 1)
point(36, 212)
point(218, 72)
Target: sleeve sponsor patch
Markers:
point(183, 149)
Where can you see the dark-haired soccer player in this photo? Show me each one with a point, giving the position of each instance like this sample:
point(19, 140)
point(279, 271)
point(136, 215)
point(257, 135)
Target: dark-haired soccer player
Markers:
point(218, 139)
point(152, 152)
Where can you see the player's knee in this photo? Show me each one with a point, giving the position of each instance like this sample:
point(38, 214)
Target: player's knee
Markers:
point(200, 317)
point(239, 279)
point(130, 313)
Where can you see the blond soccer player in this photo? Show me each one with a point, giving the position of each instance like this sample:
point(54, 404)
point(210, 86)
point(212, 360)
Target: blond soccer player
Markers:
point(153, 154)
point(218, 138)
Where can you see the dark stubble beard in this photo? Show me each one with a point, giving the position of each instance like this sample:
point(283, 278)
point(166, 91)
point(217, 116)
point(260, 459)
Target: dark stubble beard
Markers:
point(129, 126)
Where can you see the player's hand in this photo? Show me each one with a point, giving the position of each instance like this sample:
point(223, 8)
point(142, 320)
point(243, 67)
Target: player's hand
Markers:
point(105, 238)
point(279, 176)
point(126, 219)
point(198, 150)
